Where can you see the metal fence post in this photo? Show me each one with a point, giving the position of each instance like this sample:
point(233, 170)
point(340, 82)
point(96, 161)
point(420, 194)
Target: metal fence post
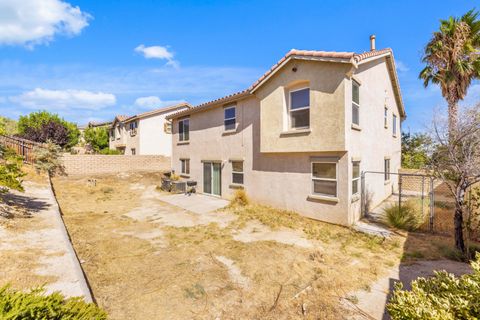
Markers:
point(423, 196)
point(362, 194)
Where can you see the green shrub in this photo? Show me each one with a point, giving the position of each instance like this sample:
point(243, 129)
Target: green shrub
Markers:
point(407, 217)
point(239, 198)
point(108, 151)
point(36, 305)
point(441, 297)
point(48, 159)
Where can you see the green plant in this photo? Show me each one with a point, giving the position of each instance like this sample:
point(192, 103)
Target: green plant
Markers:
point(415, 150)
point(239, 198)
point(407, 216)
point(443, 296)
point(97, 138)
point(36, 305)
point(42, 126)
point(10, 170)
point(8, 126)
point(108, 151)
point(47, 159)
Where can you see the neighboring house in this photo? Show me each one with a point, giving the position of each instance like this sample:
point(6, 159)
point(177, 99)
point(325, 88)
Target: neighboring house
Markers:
point(300, 136)
point(148, 133)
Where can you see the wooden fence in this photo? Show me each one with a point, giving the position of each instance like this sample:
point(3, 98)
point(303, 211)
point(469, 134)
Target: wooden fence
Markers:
point(21, 146)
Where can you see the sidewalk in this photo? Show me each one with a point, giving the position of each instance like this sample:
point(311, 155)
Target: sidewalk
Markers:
point(47, 236)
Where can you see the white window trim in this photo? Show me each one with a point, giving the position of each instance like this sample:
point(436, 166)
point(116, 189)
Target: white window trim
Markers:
point(324, 179)
point(239, 172)
point(357, 178)
point(182, 161)
point(234, 118)
point(387, 173)
point(357, 104)
point(180, 135)
point(299, 109)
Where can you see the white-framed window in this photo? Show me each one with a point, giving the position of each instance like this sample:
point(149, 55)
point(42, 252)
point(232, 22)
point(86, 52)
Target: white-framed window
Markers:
point(133, 125)
point(237, 172)
point(324, 178)
point(355, 102)
point(299, 108)
point(394, 124)
point(355, 177)
point(185, 166)
point(133, 151)
point(229, 118)
point(386, 168)
point(184, 129)
point(385, 117)
point(118, 132)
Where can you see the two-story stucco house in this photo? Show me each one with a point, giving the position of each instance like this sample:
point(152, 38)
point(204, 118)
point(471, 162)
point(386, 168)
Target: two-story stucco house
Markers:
point(301, 135)
point(147, 133)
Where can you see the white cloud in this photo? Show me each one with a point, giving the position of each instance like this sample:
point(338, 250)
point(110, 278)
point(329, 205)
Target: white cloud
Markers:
point(154, 102)
point(64, 99)
point(33, 22)
point(401, 67)
point(157, 52)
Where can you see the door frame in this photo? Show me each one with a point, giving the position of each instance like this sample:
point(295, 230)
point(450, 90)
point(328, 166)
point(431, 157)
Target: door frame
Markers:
point(211, 163)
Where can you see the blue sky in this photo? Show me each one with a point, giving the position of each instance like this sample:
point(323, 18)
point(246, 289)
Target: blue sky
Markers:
point(89, 60)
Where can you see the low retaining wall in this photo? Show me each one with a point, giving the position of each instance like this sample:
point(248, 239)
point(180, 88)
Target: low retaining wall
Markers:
point(104, 164)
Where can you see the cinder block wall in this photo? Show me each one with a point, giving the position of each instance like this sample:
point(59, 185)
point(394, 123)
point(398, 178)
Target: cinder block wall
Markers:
point(103, 164)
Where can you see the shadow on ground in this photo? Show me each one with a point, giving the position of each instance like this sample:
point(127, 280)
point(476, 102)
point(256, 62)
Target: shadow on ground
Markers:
point(17, 204)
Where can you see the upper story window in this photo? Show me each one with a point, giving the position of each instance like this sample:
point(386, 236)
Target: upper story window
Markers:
point(133, 125)
point(229, 118)
point(184, 129)
point(324, 178)
point(355, 102)
point(394, 125)
point(118, 132)
point(299, 108)
point(385, 117)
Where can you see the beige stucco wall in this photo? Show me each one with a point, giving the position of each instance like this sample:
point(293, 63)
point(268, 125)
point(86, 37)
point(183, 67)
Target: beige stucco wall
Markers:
point(282, 180)
point(277, 168)
point(326, 82)
point(373, 143)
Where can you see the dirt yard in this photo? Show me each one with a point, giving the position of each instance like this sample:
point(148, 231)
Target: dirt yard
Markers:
point(146, 259)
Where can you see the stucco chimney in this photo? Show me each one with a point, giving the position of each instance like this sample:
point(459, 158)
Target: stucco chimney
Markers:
point(372, 42)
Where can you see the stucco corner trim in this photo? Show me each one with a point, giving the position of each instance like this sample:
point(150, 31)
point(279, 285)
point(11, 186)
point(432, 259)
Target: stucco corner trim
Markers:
point(236, 186)
point(356, 127)
point(316, 197)
point(295, 132)
point(185, 176)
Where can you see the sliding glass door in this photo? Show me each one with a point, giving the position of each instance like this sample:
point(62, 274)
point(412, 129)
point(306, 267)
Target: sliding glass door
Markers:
point(212, 178)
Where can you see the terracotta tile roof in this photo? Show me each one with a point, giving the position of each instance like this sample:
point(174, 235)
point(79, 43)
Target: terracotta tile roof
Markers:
point(181, 105)
point(121, 117)
point(345, 57)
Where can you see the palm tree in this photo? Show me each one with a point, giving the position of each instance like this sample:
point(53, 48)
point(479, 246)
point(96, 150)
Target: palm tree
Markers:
point(452, 59)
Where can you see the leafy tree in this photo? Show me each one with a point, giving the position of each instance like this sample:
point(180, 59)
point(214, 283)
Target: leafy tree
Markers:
point(7, 126)
point(415, 150)
point(41, 126)
point(442, 297)
point(452, 60)
point(97, 137)
point(10, 170)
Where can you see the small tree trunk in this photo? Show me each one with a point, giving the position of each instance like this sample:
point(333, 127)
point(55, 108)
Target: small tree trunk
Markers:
point(458, 222)
point(458, 219)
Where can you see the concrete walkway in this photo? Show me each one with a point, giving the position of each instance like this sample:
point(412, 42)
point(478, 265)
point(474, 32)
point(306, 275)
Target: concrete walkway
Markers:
point(57, 258)
point(197, 203)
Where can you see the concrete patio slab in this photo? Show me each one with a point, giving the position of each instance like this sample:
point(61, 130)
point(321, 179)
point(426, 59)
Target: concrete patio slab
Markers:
point(197, 203)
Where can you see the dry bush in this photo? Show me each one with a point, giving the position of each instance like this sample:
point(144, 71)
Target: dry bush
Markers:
point(239, 198)
point(408, 216)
